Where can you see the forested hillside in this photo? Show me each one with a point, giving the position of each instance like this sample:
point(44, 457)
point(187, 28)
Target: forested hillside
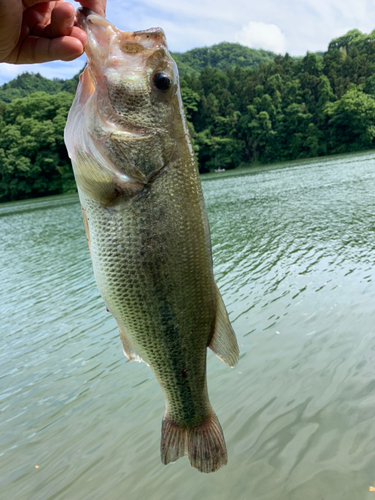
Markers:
point(27, 83)
point(221, 56)
point(286, 109)
point(33, 158)
point(243, 106)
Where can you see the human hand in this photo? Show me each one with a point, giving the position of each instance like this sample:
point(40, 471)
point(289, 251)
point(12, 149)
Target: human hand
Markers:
point(36, 31)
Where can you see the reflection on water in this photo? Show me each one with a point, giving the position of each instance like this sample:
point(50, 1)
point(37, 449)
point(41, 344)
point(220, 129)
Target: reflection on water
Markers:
point(294, 256)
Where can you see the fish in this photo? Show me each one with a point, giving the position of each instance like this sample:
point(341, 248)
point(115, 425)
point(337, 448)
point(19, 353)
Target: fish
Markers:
point(147, 227)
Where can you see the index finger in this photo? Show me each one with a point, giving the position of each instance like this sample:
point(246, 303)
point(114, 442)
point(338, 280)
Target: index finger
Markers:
point(97, 6)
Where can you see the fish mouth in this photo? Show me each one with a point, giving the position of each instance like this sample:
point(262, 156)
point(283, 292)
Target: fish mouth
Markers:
point(133, 42)
point(104, 44)
point(82, 14)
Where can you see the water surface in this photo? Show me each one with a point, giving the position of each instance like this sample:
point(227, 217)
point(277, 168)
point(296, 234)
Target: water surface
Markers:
point(294, 257)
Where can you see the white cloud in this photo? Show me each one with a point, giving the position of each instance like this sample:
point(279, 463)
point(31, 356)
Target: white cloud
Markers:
point(262, 36)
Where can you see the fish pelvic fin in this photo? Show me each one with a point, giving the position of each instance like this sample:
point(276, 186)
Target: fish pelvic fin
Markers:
point(128, 349)
point(223, 341)
point(204, 444)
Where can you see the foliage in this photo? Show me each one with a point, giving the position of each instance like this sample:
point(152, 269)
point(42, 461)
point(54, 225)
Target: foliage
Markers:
point(27, 83)
point(352, 121)
point(32, 151)
point(222, 56)
point(286, 109)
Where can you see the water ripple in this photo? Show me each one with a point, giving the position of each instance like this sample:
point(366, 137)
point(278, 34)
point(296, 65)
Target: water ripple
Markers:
point(294, 257)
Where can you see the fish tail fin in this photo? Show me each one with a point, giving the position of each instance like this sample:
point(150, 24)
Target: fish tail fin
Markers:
point(204, 444)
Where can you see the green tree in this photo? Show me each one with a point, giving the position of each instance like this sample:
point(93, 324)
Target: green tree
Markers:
point(352, 121)
point(221, 56)
point(32, 151)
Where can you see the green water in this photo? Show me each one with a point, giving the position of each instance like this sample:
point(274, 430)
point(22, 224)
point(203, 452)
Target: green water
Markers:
point(294, 257)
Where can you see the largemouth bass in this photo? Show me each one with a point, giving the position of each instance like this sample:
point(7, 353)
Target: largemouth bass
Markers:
point(147, 227)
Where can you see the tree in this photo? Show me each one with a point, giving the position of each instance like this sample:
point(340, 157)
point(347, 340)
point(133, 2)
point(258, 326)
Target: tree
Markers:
point(352, 121)
point(32, 151)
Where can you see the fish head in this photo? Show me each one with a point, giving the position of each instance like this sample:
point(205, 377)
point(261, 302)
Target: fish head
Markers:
point(135, 68)
point(131, 96)
point(127, 115)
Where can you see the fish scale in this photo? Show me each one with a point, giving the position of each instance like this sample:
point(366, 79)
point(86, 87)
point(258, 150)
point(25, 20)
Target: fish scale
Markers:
point(148, 230)
point(143, 241)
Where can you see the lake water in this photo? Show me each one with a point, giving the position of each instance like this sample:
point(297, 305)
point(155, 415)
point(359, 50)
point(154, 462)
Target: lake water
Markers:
point(294, 257)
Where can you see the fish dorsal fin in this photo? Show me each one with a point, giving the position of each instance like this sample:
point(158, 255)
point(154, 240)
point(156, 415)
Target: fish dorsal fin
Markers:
point(93, 180)
point(223, 341)
point(128, 349)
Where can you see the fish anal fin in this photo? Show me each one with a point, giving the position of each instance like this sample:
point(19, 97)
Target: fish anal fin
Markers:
point(223, 341)
point(128, 349)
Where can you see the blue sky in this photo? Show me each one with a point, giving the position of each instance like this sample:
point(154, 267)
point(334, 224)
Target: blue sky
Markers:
point(295, 26)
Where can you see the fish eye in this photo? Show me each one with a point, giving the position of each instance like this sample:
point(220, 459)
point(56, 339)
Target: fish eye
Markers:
point(162, 81)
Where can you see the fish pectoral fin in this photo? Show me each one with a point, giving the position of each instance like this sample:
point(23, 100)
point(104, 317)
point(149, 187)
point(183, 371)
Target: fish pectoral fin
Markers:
point(223, 341)
point(93, 180)
point(128, 349)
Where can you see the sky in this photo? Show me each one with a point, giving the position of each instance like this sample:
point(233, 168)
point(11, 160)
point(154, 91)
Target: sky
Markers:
point(294, 26)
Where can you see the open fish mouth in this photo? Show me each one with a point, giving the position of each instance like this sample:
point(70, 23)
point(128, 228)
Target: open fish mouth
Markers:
point(85, 16)
point(99, 30)
point(118, 62)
